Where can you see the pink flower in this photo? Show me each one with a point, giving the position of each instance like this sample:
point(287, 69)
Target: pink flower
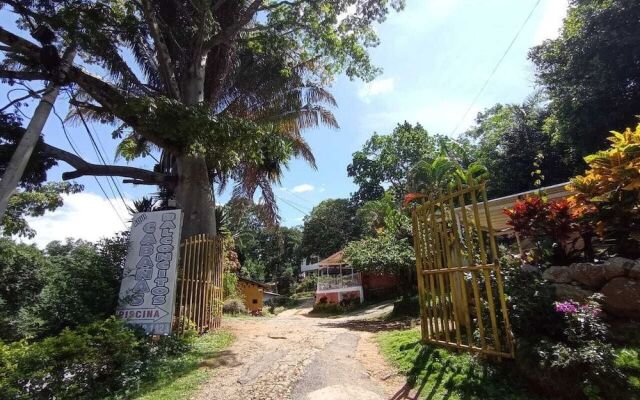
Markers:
point(566, 307)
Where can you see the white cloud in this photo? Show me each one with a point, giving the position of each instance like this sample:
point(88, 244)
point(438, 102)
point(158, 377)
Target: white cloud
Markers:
point(305, 187)
point(376, 87)
point(551, 22)
point(86, 216)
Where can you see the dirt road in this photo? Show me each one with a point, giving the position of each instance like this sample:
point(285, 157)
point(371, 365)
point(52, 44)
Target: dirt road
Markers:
point(295, 356)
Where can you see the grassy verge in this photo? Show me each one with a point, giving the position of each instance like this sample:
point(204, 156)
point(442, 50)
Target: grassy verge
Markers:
point(437, 373)
point(177, 378)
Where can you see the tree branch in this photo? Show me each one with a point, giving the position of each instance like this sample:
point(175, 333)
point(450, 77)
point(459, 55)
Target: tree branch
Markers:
point(84, 168)
point(103, 92)
point(234, 29)
point(164, 59)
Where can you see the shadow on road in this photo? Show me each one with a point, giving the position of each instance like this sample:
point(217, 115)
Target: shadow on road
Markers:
point(372, 325)
point(222, 358)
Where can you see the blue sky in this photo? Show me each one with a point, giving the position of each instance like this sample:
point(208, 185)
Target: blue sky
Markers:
point(436, 55)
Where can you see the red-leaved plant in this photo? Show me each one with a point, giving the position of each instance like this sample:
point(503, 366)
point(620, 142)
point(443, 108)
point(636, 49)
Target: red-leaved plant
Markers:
point(554, 225)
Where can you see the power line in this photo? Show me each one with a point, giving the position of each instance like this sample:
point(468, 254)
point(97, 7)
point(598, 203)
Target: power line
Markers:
point(495, 69)
point(66, 134)
point(298, 196)
point(291, 205)
point(101, 157)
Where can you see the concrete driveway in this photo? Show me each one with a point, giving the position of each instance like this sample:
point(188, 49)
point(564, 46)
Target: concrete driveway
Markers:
point(295, 356)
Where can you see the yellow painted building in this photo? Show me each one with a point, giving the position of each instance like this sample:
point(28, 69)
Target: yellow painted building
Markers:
point(253, 294)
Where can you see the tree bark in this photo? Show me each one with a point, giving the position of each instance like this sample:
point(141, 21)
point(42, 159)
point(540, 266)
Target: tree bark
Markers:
point(194, 190)
point(194, 195)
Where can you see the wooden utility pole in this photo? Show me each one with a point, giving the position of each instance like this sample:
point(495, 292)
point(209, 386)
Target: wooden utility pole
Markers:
point(20, 158)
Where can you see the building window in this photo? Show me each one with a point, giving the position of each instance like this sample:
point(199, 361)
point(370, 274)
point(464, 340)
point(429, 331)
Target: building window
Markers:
point(255, 301)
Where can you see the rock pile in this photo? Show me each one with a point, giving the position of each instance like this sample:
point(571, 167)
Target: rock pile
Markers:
point(617, 279)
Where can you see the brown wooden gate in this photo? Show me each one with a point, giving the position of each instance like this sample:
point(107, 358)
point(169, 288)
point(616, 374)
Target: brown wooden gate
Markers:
point(462, 301)
point(199, 296)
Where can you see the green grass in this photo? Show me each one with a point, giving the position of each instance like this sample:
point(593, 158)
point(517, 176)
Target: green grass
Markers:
point(178, 378)
point(628, 360)
point(438, 374)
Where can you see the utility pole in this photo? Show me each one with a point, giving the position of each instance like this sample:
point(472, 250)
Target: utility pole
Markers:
point(20, 158)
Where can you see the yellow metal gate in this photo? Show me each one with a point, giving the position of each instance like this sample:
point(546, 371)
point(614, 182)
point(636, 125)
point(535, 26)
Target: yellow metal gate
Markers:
point(462, 301)
point(199, 298)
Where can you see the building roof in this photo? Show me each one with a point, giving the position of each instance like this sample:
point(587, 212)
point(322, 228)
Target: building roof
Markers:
point(334, 259)
point(252, 281)
point(496, 206)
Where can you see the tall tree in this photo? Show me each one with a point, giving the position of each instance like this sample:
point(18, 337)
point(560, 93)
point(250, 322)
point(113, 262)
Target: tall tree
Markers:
point(387, 160)
point(329, 227)
point(225, 87)
point(510, 138)
point(591, 72)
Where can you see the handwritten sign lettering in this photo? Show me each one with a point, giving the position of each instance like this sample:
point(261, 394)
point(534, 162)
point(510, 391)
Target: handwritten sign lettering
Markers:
point(147, 293)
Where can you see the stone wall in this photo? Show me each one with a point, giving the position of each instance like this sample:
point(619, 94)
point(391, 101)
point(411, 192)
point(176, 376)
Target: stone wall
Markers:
point(617, 279)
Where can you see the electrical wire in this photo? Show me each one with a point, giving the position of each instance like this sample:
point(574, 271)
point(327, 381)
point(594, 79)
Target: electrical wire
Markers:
point(73, 147)
point(101, 157)
point(495, 69)
point(304, 213)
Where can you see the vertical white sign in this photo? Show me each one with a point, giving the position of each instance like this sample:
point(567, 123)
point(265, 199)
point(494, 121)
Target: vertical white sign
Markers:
point(148, 290)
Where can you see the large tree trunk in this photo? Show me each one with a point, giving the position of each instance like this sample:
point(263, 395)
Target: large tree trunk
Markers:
point(194, 191)
point(194, 194)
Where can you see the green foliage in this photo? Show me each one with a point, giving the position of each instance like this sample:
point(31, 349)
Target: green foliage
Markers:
point(628, 361)
point(71, 283)
point(79, 286)
point(381, 254)
point(508, 141)
point(329, 227)
point(590, 72)
point(253, 269)
point(439, 374)
point(11, 131)
point(234, 306)
point(178, 376)
point(611, 187)
point(21, 279)
point(229, 285)
point(384, 215)
point(386, 160)
point(104, 359)
point(266, 253)
point(34, 203)
point(308, 284)
point(33, 197)
point(530, 299)
point(563, 349)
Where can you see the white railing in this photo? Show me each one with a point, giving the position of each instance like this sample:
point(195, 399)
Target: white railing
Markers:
point(328, 282)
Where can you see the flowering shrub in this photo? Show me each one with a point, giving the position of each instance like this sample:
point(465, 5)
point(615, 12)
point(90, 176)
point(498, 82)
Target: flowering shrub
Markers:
point(567, 307)
point(562, 347)
point(583, 352)
point(611, 185)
